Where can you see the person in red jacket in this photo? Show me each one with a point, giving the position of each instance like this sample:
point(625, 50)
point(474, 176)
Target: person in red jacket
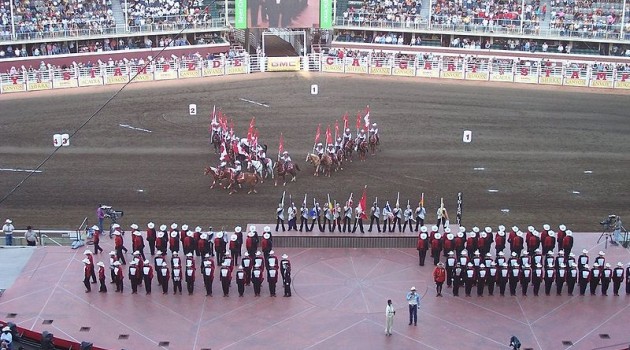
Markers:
point(208, 275)
point(137, 242)
point(88, 255)
point(101, 277)
point(549, 243)
point(562, 232)
point(266, 245)
point(219, 247)
point(251, 242)
point(499, 240)
point(118, 272)
point(422, 245)
point(234, 248)
point(87, 268)
point(118, 246)
point(147, 276)
point(96, 237)
point(196, 238)
point(187, 241)
point(449, 242)
point(202, 245)
point(439, 276)
point(436, 248)
point(517, 243)
point(567, 242)
point(173, 240)
point(161, 239)
point(151, 237)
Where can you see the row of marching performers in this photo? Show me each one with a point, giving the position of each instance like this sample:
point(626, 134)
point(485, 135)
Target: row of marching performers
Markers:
point(188, 240)
point(439, 243)
point(483, 271)
point(250, 271)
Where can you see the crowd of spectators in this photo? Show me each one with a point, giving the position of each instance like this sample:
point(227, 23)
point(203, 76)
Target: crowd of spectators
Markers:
point(48, 18)
point(167, 12)
point(103, 45)
point(385, 12)
point(586, 18)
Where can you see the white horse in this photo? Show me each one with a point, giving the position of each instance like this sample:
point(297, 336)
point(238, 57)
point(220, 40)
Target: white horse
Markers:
point(263, 168)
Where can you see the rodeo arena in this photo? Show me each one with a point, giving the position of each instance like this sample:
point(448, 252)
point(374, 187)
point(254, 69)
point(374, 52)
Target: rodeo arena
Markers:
point(314, 174)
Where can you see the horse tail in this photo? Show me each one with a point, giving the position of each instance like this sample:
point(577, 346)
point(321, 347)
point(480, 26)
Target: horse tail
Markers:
point(296, 167)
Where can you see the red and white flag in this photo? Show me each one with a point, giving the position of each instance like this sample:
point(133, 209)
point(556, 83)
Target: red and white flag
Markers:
point(345, 122)
point(318, 134)
point(328, 136)
point(336, 129)
point(363, 203)
point(366, 118)
point(358, 120)
point(281, 145)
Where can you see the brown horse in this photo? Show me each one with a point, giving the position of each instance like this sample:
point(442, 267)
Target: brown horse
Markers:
point(250, 180)
point(347, 150)
point(216, 142)
point(339, 159)
point(217, 175)
point(282, 169)
point(325, 164)
point(373, 143)
point(363, 150)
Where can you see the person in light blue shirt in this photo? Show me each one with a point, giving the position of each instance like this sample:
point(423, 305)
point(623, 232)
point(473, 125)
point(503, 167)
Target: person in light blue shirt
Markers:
point(414, 300)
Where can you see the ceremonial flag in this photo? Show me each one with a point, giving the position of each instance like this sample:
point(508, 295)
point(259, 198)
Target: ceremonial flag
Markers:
point(363, 203)
point(317, 134)
point(281, 145)
point(304, 203)
point(398, 200)
point(213, 116)
point(422, 200)
point(366, 118)
point(358, 121)
point(336, 129)
point(350, 202)
point(345, 121)
point(330, 205)
point(328, 136)
point(282, 199)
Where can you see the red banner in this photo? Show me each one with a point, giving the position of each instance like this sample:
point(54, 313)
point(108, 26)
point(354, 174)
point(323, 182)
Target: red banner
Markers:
point(318, 133)
point(281, 145)
point(328, 136)
point(358, 120)
point(345, 122)
point(336, 129)
point(363, 204)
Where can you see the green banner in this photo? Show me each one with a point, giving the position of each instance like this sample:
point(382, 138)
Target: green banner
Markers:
point(325, 14)
point(240, 14)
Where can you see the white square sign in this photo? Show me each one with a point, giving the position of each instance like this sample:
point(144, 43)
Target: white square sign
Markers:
point(467, 136)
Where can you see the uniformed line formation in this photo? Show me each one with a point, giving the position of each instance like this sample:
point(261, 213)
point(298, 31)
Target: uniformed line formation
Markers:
point(258, 262)
point(536, 258)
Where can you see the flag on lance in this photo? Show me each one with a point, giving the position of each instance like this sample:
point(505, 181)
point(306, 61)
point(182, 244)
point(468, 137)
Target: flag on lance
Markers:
point(358, 121)
point(336, 129)
point(317, 135)
point(366, 118)
point(251, 130)
point(363, 203)
point(281, 145)
point(328, 136)
point(345, 122)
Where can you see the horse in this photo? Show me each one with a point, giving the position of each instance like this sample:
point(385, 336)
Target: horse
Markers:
point(283, 169)
point(325, 164)
point(373, 143)
point(263, 168)
point(248, 179)
point(217, 175)
point(363, 150)
point(347, 150)
point(216, 142)
point(339, 158)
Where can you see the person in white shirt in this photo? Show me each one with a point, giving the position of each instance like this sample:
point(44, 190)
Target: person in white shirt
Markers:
point(389, 317)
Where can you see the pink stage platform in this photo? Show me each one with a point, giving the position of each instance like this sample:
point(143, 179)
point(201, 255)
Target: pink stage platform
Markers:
point(338, 302)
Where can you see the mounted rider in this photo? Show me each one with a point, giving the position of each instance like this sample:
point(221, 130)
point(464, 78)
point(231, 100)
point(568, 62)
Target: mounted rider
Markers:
point(339, 144)
point(347, 136)
point(319, 150)
point(216, 128)
point(286, 158)
point(374, 131)
point(237, 169)
point(361, 137)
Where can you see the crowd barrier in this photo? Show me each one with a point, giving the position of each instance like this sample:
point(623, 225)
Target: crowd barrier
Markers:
point(441, 66)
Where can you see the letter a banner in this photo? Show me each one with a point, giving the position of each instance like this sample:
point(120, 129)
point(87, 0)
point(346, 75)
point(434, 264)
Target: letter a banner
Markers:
point(240, 14)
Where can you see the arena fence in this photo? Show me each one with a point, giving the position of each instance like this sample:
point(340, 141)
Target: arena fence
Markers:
point(543, 71)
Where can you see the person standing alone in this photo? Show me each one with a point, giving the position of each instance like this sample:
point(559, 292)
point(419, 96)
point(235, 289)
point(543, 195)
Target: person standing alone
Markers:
point(389, 317)
point(8, 232)
point(413, 299)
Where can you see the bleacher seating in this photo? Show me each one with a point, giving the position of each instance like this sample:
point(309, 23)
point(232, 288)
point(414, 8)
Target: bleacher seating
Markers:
point(147, 12)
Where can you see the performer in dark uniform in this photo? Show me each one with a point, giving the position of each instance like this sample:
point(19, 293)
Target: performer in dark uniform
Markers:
point(257, 279)
point(375, 213)
point(226, 279)
point(503, 278)
point(457, 279)
point(550, 277)
point(482, 279)
point(177, 279)
point(469, 278)
point(158, 260)
point(147, 276)
point(272, 279)
point(493, 273)
point(526, 277)
point(451, 262)
point(585, 274)
point(572, 277)
point(595, 278)
point(567, 242)
point(607, 273)
point(537, 277)
point(134, 276)
point(304, 214)
point(499, 240)
point(190, 278)
point(166, 276)
point(207, 271)
point(246, 263)
point(617, 278)
point(515, 276)
point(240, 281)
point(583, 260)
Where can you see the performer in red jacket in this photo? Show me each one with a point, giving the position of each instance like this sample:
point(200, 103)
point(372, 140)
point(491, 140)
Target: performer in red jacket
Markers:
point(101, 277)
point(118, 246)
point(151, 237)
point(87, 273)
point(439, 276)
point(96, 237)
point(422, 245)
point(436, 248)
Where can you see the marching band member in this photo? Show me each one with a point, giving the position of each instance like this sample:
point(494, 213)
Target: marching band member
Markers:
point(375, 213)
point(408, 218)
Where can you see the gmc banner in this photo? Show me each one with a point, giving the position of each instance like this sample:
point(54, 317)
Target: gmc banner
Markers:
point(283, 64)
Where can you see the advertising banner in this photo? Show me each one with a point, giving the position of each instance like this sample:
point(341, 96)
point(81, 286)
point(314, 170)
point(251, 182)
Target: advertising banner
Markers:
point(551, 73)
point(116, 75)
point(526, 74)
point(356, 65)
point(576, 74)
point(141, 73)
point(64, 79)
point(332, 64)
point(622, 80)
point(190, 69)
point(214, 67)
point(380, 66)
point(477, 71)
point(283, 64)
point(428, 69)
point(236, 66)
point(452, 68)
point(602, 78)
point(404, 68)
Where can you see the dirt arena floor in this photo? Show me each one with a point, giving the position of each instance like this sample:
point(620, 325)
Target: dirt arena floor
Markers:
point(535, 144)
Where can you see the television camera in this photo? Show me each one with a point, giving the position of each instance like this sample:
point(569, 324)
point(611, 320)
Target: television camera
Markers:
point(613, 230)
point(112, 214)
